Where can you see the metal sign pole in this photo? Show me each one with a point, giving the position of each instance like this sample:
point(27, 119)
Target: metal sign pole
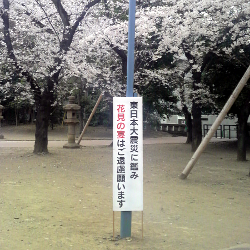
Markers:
point(131, 48)
point(126, 216)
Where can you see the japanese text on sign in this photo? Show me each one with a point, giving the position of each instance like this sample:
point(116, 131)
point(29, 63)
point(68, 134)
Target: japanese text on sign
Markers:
point(127, 154)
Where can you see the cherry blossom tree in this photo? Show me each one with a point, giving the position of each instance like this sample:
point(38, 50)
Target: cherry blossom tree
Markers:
point(195, 28)
point(228, 73)
point(46, 40)
point(38, 37)
point(112, 35)
point(189, 30)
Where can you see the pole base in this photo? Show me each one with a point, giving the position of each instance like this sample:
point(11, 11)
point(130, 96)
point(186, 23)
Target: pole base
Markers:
point(71, 145)
point(183, 176)
point(126, 219)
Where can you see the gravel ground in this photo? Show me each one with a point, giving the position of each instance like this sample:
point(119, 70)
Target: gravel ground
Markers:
point(63, 200)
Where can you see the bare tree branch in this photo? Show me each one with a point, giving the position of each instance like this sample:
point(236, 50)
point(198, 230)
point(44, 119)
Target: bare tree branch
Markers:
point(69, 34)
point(39, 3)
point(39, 23)
point(10, 50)
point(62, 12)
point(6, 23)
point(81, 17)
point(123, 56)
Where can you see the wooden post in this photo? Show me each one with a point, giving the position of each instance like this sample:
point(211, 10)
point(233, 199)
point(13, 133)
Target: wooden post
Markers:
point(216, 124)
point(142, 224)
point(113, 225)
point(90, 117)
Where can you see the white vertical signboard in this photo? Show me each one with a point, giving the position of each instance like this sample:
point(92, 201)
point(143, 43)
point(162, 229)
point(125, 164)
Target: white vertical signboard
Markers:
point(127, 154)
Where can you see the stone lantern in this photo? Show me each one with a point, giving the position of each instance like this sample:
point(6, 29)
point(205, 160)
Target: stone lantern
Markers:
point(1, 117)
point(71, 121)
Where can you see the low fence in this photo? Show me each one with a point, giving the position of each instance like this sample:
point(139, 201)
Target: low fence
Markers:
point(223, 131)
point(177, 129)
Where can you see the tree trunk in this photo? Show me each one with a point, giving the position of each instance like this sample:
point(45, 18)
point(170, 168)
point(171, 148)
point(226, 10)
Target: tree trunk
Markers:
point(16, 114)
point(79, 97)
point(196, 127)
point(242, 131)
point(242, 145)
point(188, 120)
point(196, 109)
point(123, 55)
point(43, 107)
point(110, 118)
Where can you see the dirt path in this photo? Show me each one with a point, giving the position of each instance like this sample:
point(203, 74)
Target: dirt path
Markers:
point(63, 200)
